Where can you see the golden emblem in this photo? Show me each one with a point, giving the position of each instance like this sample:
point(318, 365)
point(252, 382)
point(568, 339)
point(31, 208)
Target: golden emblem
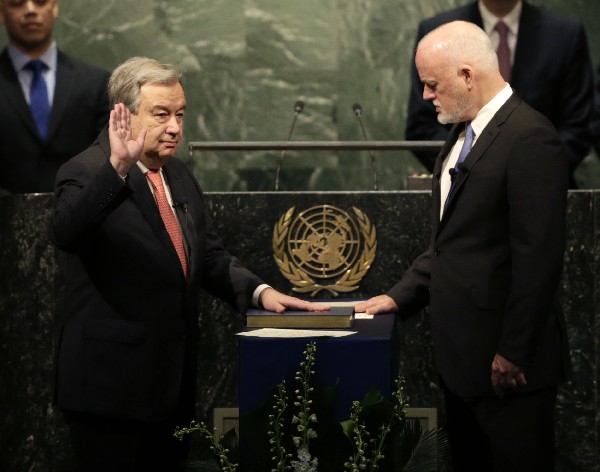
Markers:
point(324, 243)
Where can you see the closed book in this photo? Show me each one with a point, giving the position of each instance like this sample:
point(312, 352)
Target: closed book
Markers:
point(336, 317)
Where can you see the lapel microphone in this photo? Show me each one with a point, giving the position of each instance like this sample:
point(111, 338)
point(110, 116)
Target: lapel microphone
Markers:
point(181, 205)
point(453, 172)
point(460, 169)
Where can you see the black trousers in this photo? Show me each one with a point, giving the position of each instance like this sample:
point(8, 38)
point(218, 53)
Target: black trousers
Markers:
point(512, 434)
point(105, 444)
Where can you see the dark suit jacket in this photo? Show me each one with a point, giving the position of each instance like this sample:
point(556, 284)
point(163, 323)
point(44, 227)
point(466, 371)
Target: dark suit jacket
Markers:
point(595, 122)
point(127, 320)
point(552, 72)
point(492, 272)
point(80, 110)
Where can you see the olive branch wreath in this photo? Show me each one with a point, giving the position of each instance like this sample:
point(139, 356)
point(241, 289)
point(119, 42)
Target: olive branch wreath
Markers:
point(302, 281)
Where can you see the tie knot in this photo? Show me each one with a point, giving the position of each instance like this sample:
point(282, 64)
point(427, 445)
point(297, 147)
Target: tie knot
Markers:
point(469, 133)
point(154, 176)
point(502, 28)
point(36, 66)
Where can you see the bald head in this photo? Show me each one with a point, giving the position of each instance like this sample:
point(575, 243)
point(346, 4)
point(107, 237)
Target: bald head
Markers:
point(461, 42)
point(459, 69)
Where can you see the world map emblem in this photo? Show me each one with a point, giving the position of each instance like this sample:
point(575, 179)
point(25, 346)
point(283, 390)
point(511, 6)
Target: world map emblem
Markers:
point(324, 248)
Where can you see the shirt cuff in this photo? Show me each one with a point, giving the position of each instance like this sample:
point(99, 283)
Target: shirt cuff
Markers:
point(256, 294)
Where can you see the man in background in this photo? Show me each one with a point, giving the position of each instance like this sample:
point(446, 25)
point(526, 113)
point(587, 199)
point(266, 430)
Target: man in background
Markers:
point(546, 61)
point(491, 273)
point(53, 106)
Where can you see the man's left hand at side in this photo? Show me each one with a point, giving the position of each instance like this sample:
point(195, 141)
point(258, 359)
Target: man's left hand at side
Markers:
point(506, 376)
point(272, 300)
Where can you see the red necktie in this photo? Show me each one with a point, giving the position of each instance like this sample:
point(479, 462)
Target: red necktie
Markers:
point(503, 50)
point(168, 217)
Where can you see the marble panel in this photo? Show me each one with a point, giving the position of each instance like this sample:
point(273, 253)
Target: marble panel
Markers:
point(247, 61)
point(33, 435)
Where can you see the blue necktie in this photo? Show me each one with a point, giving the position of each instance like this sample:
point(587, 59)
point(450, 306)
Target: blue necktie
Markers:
point(466, 147)
point(38, 98)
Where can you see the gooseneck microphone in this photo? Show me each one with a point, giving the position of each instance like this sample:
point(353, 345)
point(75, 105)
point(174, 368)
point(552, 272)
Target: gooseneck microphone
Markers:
point(298, 107)
point(357, 109)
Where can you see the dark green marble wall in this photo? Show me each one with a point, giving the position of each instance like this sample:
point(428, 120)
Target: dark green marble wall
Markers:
point(247, 61)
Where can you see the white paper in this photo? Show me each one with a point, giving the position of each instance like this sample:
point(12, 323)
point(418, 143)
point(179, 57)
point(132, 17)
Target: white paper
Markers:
point(295, 333)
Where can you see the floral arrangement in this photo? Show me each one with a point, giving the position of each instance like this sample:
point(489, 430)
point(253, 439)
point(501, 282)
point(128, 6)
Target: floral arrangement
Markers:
point(303, 436)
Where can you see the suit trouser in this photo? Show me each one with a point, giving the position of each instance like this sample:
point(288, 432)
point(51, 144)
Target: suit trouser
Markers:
point(515, 433)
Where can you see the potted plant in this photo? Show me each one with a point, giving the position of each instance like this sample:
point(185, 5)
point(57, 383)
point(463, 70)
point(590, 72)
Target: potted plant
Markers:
point(302, 435)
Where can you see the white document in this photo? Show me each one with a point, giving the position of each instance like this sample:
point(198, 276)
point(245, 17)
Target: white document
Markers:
point(295, 333)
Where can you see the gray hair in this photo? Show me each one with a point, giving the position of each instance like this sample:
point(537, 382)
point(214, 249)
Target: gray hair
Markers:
point(127, 79)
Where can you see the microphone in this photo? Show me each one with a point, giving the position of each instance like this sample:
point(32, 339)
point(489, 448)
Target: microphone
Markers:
point(298, 107)
point(182, 205)
point(460, 168)
point(453, 173)
point(357, 109)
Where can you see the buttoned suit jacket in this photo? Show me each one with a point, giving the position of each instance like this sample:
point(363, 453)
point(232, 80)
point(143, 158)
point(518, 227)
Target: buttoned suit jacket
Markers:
point(552, 72)
point(491, 273)
point(127, 318)
point(80, 110)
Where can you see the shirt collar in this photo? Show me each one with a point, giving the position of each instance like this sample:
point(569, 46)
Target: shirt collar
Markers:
point(511, 20)
point(489, 110)
point(19, 58)
point(143, 168)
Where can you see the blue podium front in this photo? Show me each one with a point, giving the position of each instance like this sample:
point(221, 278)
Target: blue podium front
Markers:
point(356, 363)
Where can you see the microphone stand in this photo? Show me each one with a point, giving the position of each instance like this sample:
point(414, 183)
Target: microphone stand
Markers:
point(298, 107)
point(357, 109)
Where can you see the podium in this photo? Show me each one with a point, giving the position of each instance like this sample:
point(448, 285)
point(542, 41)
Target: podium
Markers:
point(356, 363)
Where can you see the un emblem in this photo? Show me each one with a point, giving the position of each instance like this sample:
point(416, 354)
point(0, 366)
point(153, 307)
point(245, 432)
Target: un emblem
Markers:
point(324, 248)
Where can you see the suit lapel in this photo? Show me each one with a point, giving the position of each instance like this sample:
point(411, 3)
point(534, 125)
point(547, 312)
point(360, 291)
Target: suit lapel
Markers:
point(525, 49)
point(142, 197)
point(185, 217)
point(65, 81)
point(472, 14)
point(488, 135)
point(11, 89)
point(437, 169)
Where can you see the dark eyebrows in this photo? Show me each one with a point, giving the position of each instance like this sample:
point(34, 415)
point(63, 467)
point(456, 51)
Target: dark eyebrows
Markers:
point(157, 108)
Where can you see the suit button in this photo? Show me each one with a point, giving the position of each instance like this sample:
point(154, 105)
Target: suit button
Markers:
point(437, 251)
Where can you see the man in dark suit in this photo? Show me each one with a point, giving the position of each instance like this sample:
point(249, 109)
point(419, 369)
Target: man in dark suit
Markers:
point(491, 273)
point(76, 92)
point(551, 71)
point(136, 247)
